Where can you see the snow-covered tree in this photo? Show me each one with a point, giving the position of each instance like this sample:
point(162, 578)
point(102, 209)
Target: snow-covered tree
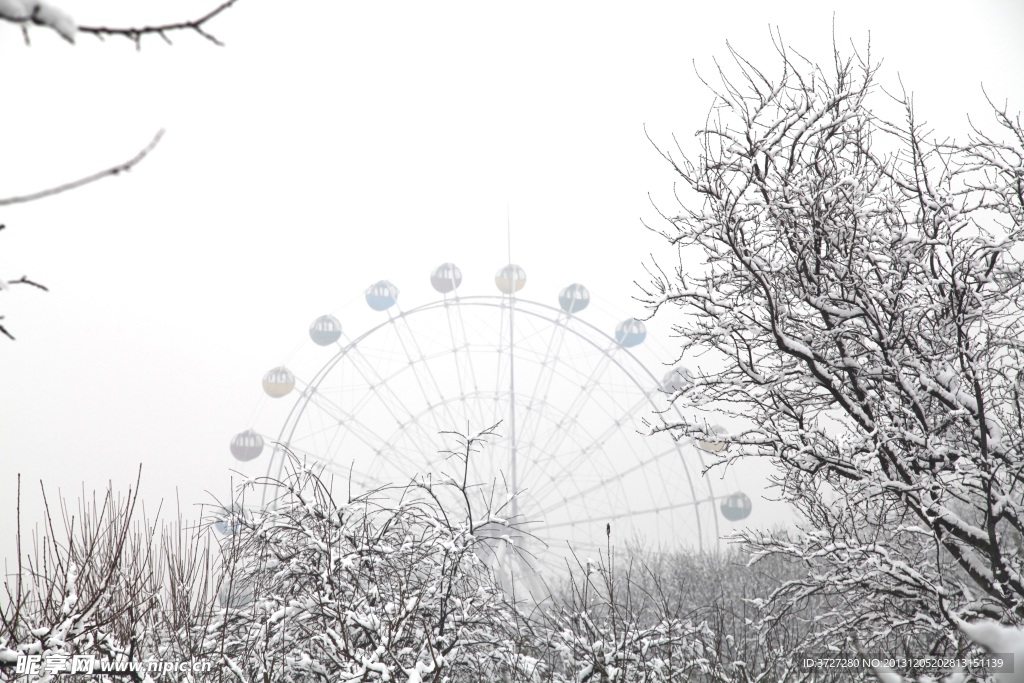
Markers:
point(860, 308)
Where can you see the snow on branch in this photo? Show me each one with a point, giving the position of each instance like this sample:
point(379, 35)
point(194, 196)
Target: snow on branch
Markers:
point(40, 13)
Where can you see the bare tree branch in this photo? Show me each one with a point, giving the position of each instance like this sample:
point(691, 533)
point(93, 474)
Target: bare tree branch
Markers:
point(135, 33)
point(114, 170)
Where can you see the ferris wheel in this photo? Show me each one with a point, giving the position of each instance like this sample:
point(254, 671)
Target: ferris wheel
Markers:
point(570, 398)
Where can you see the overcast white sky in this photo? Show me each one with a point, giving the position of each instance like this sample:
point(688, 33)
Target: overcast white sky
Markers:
point(332, 144)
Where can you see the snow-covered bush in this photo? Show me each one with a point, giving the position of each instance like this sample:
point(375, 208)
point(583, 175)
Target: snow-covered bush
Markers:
point(90, 585)
point(384, 585)
point(607, 627)
point(642, 616)
point(861, 296)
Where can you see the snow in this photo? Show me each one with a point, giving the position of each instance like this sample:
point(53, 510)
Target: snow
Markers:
point(41, 13)
point(16, 10)
point(994, 636)
point(999, 638)
point(62, 23)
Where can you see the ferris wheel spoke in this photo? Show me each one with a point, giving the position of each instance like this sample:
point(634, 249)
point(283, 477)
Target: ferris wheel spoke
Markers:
point(369, 374)
point(620, 475)
point(545, 378)
point(504, 347)
point(417, 361)
point(625, 515)
point(415, 421)
point(413, 363)
point(455, 351)
point(567, 466)
point(568, 469)
point(461, 327)
point(583, 396)
point(338, 414)
point(499, 388)
point(359, 430)
point(329, 407)
point(464, 370)
point(474, 410)
point(384, 391)
point(360, 477)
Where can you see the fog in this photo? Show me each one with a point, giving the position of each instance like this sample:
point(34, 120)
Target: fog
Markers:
point(331, 145)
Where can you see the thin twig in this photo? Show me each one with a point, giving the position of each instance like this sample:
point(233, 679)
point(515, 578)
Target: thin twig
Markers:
point(120, 168)
point(135, 34)
point(23, 280)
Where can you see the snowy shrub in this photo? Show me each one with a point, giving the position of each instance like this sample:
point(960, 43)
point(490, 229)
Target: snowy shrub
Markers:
point(90, 585)
point(386, 585)
point(606, 627)
point(679, 616)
